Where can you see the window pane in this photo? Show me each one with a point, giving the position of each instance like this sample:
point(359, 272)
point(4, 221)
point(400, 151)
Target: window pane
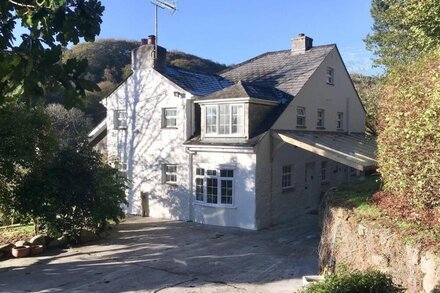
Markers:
point(199, 189)
point(224, 119)
point(211, 190)
point(226, 173)
point(211, 172)
point(200, 171)
point(170, 113)
point(237, 119)
point(226, 191)
point(171, 168)
point(211, 119)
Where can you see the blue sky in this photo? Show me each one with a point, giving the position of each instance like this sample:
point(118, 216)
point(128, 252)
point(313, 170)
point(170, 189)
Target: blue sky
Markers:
point(231, 31)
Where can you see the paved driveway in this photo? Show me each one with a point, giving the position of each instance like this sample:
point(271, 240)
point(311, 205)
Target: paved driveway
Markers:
point(150, 255)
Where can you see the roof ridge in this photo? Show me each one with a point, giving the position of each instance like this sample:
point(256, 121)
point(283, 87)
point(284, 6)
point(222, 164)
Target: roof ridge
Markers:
point(195, 71)
point(265, 54)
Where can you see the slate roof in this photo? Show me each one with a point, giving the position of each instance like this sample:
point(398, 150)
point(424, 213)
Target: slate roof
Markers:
point(283, 70)
point(244, 89)
point(197, 83)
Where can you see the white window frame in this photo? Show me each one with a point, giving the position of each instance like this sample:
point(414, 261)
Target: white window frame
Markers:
point(301, 116)
point(166, 118)
point(120, 122)
point(340, 120)
point(166, 173)
point(320, 121)
point(205, 175)
point(330, 75)
point(287, 177)
point(217, 133)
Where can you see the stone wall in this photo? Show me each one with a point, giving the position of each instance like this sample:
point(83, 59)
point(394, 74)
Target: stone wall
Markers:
point(363, 244)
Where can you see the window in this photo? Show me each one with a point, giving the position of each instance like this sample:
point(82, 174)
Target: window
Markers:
point(225, 119)
point(169, 118)
point(340, 120)
point(286, 177)
point(170, 172)
point(330, 75)
point(324, 171)
point(300, 117)
point(214, 187)
point(120, 119)
point(320, 120)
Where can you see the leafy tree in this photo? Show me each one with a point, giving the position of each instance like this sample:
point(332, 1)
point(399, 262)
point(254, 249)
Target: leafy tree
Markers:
point(69, 125)
point(409, 132)
point(27, 140)
point(33, 68)
point(75, 190)
point(370, 92)
point(403, 29)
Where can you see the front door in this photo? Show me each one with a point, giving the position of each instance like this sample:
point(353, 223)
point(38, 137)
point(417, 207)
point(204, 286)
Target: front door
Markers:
point(311, 186)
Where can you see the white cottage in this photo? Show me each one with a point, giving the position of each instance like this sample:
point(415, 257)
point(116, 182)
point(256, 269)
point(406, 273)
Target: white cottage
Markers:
point(253, 146)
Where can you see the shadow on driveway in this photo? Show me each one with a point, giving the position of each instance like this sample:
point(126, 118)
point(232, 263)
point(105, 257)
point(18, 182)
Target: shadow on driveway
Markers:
point(151, 255)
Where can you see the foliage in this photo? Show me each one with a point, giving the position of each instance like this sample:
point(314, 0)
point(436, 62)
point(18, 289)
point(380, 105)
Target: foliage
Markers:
point(68, 124)
point(369, 89)
point(355, 281)
point(403, 30)
point(27, 141)
point(409, 132)
point(188, 61)
point(32, 68)
point(73, 191)
point(106, 58)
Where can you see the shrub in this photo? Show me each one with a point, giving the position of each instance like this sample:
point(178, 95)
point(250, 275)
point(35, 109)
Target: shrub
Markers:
point(409, 132)
point(75, 190)
point(349, 282)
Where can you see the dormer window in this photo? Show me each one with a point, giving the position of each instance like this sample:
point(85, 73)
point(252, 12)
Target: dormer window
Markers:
point(330, 76)
point(225, 119)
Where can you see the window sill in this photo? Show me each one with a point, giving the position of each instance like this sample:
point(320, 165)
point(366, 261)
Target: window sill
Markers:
point(288, 189)
point(203, 204)
point(171, 184)
point(170, 128)
point(301, 126)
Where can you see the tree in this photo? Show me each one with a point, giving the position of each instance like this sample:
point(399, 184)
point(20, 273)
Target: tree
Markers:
point(370, 92)
point(33, 68)
point(403, 29)
point(69, 125)
point(27, 140)
point(75, 190)
point(409, 132)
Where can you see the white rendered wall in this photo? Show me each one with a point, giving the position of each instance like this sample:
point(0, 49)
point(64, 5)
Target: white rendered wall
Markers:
point(145, 146)
point(317, 94)
point(242, 213)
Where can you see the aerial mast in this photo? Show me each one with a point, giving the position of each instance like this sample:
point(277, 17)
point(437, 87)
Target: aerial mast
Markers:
point(164, 5)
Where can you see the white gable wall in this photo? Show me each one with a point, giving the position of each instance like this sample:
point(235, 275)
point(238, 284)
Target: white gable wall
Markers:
point(145, 146)
point(317, 94)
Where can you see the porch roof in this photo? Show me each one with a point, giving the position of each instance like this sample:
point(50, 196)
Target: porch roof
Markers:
point(356, 150)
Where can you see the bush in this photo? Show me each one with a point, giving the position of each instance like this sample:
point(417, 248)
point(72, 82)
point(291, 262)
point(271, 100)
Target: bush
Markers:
point(349, 282)
point(409, 132)
point(75, 190)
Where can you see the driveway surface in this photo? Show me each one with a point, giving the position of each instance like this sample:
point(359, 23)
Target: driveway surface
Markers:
point(151, 255)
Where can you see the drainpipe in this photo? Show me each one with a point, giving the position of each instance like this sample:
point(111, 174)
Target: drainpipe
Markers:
point(190, 175)
point(347, 110)
point(271, 155)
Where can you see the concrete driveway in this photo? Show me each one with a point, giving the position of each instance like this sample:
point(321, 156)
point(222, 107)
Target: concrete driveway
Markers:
point(151, 255)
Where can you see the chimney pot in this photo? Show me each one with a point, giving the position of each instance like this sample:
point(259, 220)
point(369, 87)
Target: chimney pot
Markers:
point(151, 40)
point(144, 42)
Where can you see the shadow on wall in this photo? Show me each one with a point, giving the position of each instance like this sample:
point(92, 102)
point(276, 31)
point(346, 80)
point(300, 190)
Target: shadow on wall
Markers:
point(145, 147)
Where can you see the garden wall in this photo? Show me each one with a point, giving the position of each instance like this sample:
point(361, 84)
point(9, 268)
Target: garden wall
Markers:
point(363, 244)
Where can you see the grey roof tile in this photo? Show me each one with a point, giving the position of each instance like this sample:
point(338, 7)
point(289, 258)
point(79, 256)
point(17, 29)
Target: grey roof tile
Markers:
point(283, 70)
point(197, 83)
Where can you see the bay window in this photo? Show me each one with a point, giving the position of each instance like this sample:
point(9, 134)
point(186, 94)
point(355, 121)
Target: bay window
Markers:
point(214, 187)
point(225, 119)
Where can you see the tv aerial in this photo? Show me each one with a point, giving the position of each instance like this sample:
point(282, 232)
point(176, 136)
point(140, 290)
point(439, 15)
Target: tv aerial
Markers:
point(172, 6)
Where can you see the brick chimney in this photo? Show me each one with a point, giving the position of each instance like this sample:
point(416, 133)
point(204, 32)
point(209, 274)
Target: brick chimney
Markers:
point(301, 43)
point(143, 57)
